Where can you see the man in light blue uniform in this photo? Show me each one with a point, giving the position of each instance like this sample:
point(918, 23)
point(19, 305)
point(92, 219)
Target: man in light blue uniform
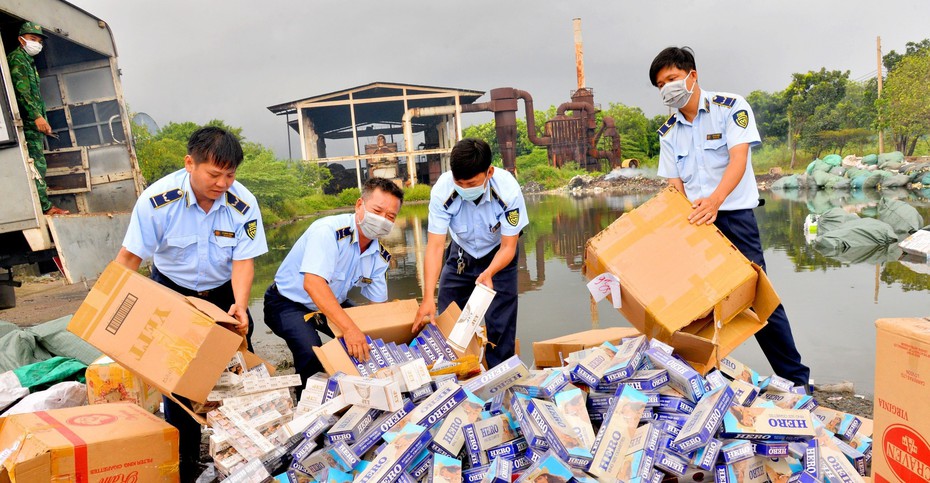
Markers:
point(335, 254)
point(482, 208)
point(202, 229)
point(705, 153)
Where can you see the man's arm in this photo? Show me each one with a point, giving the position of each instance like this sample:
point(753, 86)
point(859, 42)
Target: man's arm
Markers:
point(326, 301)
point(128, 259)
point(432, 267)
point(677, 184)
point(503, 257)
point(705, 209)
point(243, 272)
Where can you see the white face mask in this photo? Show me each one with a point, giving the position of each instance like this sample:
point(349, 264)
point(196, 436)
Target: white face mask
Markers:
point(32, 47)
point(374, 226)
point(675, 94)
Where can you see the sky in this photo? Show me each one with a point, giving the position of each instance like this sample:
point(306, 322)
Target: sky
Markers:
point(196, 60)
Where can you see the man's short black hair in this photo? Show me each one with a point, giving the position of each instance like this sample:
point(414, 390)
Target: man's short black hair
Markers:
point(680, 57)
point(470, 157)
point(215, 145)
point(382, 184)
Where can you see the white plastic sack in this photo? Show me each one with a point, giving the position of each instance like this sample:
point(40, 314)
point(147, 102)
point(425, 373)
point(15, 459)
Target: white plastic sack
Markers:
point(67, 394)
point(10, 389)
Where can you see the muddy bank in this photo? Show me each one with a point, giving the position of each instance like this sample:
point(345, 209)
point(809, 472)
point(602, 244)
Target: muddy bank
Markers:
point(617, 183)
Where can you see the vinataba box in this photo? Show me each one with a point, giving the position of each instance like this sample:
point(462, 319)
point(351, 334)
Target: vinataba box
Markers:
point(901, 448)
point(683, 284)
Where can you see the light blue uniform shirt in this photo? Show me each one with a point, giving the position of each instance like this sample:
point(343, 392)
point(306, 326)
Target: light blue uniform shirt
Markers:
point(192, 248)
point(698, 151)
point(477, 228)
point(329, 249)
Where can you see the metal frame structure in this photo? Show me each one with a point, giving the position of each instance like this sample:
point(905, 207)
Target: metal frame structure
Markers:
point(338, 115)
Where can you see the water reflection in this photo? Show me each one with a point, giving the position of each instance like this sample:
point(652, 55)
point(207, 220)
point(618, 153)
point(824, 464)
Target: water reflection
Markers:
point(832, 299)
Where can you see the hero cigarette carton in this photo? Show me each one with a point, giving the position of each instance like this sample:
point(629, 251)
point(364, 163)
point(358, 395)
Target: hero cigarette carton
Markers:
point(650, 380)
point(854, 456)
point(671, 463)
point(382, 425)
point(547, 464)
point(842, 424)
point(778, 469)
point(837, 467)
point(672, 418)
point(449, 437)
point(705, 458)
point(497, 379)
point(704, 421)
point(666, 427)
point(573, 407)
point(440, 339)
point(715, 379)
point(735, 451)
point(350, 426)
point(674, 404)
point(382, 394)
point(485, 434)
point(591, 369)
point(738, 371)
point(300, 423)
point(509, 450)
point(776, 383)
point(534, 436)
point(788, 400)
point(559, 433)
point(386, 353)
point(744, 393)
point(436, 407)
point(747, 471)
point(812, 470)
point(626, 360)
point(618, 433)
point(764, 424)
point(394, 458)
point(475, 474)
point(445, 469)
point(681, 376)
point(771, 449)
point(500, 471)
point(542, 384)
point(421, 393)
point(645, 458)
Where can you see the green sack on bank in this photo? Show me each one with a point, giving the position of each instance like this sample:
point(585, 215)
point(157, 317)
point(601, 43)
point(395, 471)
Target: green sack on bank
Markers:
point(895, 181)
point(833, 159)
point(858, 182)
point(47, 373)
point(789, 182)
point(894, 156)
point(870, 159)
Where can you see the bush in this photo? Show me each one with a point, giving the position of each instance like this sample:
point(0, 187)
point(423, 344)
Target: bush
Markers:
point(348, 197)
point(418, 192)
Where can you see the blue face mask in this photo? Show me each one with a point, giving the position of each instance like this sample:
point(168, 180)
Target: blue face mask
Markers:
point(473, 193)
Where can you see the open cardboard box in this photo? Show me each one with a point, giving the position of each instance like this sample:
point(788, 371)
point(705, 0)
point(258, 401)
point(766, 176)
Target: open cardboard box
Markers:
point(175, 343)
point(552, 352)
point(391, 322)
point(683, 284)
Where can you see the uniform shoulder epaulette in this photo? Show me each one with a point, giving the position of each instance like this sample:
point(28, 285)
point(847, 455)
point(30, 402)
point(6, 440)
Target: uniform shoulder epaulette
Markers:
point(449, 201)
point(343, 232)
point(236, 203)
point(668, 125)
point(498, 198)
point(384, 253)
point(166, 198)
point(724, 101)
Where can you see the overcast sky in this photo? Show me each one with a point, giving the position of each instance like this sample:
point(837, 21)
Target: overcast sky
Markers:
point(187, 60)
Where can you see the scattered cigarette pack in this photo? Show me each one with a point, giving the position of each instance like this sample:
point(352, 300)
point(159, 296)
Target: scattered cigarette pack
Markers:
point(501, 471)
point(617, 433)
point(837, 422)
point(471, 317)
point(736, 451)
point(382, 394)
point(648, 380)
point(450, 438)
point(682, 377)
point(395, 456)
point(738, 371)
point(352, 424)
point(573, 407)
point(762, 424)
point(542, 384)
point(561, 436)
point(445, 469)
point(704, 421)
point(497, 379)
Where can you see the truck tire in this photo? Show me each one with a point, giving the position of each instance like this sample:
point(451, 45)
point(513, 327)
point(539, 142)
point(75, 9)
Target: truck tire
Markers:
point(7, 293)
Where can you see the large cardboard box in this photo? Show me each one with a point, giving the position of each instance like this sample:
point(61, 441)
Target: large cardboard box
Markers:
point(683, 284)
point(391, 322)
point(105, 442)
point(109, 382)
point(552, 352)
point(901, 450)
point(173, 342)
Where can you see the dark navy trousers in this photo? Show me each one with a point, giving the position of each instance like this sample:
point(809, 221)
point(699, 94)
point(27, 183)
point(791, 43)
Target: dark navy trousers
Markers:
point(501, 317)
point(286, 319)
point(775, 339)
point(188, 428)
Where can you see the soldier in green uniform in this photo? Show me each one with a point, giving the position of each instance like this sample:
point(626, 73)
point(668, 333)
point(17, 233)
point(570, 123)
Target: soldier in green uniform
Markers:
point(25, 79)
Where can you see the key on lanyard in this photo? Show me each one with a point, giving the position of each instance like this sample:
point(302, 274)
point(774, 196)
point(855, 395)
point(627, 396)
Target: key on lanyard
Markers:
point(460, 263)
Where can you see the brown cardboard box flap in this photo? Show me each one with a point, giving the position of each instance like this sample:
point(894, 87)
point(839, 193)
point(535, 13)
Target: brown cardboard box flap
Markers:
point(551, 352)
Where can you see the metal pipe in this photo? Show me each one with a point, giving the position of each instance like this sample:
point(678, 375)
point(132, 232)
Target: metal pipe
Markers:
point(575, 106)
point(579, 52)
point(408, 132)
point(531, 119)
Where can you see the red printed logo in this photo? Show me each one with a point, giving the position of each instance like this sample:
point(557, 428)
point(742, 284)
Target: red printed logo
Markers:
point(92, 420)
point(906, 453)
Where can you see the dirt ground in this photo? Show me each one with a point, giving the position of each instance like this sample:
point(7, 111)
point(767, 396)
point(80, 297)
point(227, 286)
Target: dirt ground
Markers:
point(44, 298)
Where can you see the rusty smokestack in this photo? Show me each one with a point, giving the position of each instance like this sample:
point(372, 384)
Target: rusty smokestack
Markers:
point(579, 52)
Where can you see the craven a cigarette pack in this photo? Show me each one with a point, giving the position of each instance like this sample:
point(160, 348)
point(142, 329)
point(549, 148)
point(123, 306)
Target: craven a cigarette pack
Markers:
point(498, 378)
point(763, 424)
point(561, 436)
point(704, 421)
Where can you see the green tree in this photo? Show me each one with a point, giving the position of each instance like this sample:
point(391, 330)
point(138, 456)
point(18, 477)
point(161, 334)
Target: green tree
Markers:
point(488, 134)
point(810, 96)
point(891, 59)
point(771, 112)
point(636, 133)
point(905, 103)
